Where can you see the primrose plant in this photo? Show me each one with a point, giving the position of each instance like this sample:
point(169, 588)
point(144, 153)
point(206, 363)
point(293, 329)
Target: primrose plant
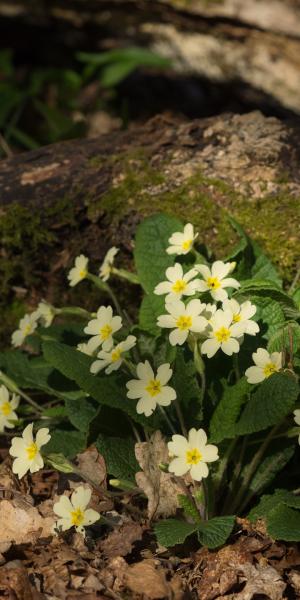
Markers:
point(210, 358)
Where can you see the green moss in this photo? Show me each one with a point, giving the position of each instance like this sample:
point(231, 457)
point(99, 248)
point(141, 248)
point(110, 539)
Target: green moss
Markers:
point(207, 202)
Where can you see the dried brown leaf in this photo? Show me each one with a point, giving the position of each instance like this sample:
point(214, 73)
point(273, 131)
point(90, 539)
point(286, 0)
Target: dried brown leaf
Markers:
point(22, 523)
point(92, 464)
point(144, 579)
point(159, 487)
point(261, 580)
point(120, 541)
point(15, 584)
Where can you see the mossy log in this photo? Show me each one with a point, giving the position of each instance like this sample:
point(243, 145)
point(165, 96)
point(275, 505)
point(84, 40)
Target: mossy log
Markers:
point(253, 45)
point(86, 195)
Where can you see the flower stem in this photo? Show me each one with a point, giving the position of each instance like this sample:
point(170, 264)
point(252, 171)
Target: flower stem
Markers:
point(12, 386)
point(165, 416)
point(73, 310)
point(127, 275)
point(251, 470)
point(180, 417)
point(104, 287)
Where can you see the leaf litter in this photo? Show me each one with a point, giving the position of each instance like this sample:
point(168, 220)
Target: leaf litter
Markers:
point(119, 558)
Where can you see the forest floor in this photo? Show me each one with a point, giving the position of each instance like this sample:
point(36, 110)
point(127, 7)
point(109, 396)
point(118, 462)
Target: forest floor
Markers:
point(120, 558)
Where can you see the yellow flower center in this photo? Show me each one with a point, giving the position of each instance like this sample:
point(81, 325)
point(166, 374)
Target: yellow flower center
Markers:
point(27, 330)
point(116, 355)
point(77, 517)
point(179, 286)
point(223, 334)
point(32, 451)
point(105, 332)
point(186, 244)
point(153, 387)
point(5, 408)
point(193, 456)
point(213, 283)
point(83, 273)
point(236, 318)
point(184, 322)
point(270, 368)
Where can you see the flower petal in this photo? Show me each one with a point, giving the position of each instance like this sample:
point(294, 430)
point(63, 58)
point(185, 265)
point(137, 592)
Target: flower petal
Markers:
point(255, 374)
point(144, 371)
point(210, 453)
point(166, 396)
point(81, 497)
point(178, 466)
point(146, 406)
point(179, 445)
point(230, 346)
point(178, 337)
point(199, 471)
point(90, 517)
point(164, 373)
point(210, 347)
point(63, 507)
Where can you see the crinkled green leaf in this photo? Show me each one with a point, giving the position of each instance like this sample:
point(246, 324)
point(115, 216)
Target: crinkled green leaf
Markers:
point(185, 382)
point(283, 523)
point(283, 337)
point(119, 456)
point(270, 312)
point(151, 307)
point(109, 390)
point(151, 258)
point(215, 532)
point(36, 373)
point(188, 507)
point(80, 413)
point(265, 288)
point(172, 531)
point(68, 443)
point(273, 399)
point(222, 424)
point(271, 501)
point(269, 467)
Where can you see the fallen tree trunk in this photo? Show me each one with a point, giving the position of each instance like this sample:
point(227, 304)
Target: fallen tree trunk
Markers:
point(84, 196)
point(255, 44)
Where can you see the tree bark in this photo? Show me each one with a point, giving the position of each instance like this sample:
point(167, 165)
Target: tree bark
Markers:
point(254, 44)
point(85, 196)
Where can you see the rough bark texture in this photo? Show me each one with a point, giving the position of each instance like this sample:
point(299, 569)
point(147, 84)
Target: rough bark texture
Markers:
point(254, 43)
point(84, 196)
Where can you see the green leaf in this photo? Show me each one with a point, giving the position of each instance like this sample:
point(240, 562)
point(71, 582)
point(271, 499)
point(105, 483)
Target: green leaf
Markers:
point(269, 404)
point(157, 350)
point(186, 384)
point(263, 269)
point(108, 390)
point(214, 533)
point(171, 532)
point(280, 340)
point(80, 413)
point(68, 443)
point(151, 307)
point(265, 288)
point(119, 456)
point(188, 507)
point(283, 523)
point(269, 467)
point(269, 502)
point(36, 373)
point(270, 312)
point(252, 262)
point(151, 258)
point(222, 425)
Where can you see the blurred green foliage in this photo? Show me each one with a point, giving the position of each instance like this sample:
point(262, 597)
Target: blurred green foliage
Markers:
point(44, 105)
